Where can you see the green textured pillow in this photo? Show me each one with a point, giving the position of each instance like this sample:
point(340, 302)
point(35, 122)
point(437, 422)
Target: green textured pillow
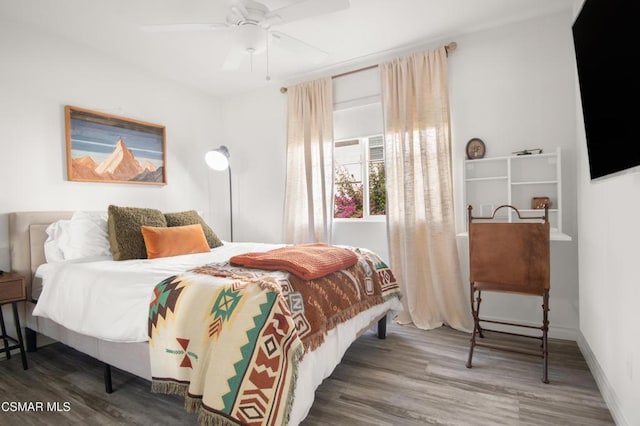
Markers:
point(191, 217)
point(125, 230)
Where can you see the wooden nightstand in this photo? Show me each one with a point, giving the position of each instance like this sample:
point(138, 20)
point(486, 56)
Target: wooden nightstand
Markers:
point(12, 290)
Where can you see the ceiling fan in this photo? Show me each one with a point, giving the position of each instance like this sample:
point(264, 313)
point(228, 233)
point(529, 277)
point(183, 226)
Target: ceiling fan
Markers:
point(252, 22)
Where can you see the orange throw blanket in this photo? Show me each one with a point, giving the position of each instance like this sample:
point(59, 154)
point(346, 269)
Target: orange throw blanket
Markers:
point(307, 261)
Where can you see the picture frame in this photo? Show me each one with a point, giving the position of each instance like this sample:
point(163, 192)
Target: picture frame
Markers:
point(112, 149)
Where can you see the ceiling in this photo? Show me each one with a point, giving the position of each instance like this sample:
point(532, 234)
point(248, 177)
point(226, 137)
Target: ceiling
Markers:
point(368, 28)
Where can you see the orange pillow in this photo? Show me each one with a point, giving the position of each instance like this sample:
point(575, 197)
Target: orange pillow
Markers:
point(174, 241)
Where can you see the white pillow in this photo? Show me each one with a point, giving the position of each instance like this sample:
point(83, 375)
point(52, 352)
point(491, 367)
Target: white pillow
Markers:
point(56, 232)
point(87, 236)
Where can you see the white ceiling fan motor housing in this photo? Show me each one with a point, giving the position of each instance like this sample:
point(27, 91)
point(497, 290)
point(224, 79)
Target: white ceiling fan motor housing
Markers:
point(252, 38)
point(248, 17)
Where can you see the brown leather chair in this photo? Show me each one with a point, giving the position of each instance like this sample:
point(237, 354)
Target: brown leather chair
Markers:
point(510, 257)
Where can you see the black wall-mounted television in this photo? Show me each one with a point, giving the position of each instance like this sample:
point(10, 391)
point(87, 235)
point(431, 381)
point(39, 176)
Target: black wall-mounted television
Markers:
point(606, 36)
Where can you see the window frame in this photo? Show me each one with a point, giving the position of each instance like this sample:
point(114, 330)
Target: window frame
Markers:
point(364, 170)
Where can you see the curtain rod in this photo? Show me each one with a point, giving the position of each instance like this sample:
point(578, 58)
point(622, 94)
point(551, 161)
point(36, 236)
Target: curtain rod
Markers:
point(449, 48)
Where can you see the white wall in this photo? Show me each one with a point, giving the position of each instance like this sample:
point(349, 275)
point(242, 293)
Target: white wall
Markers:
point(511, 86)
point(255, 129)
point(609, 285)
point(39, 75)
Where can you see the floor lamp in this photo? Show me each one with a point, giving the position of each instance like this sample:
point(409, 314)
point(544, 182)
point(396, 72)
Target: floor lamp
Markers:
point(218, 159)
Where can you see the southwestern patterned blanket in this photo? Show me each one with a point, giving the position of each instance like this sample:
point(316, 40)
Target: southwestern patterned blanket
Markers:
point(229, 339)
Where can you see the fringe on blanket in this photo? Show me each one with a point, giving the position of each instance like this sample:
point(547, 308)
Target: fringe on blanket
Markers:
point(209, 418)
point(297, 356)
point(265, 283)
point(169, 387)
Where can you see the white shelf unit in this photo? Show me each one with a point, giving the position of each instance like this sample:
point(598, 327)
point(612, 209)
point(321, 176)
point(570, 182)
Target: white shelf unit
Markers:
point(515, 180)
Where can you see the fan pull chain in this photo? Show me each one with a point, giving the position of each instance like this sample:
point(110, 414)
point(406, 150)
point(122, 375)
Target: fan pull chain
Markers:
point(268, 42)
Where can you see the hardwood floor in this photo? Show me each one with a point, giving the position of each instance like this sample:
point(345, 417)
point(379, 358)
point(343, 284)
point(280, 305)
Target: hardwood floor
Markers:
point(413, 377)
point(419, 377)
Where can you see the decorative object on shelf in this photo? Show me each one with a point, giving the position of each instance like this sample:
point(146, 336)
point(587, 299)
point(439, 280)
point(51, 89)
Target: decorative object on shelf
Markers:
point(218, 159)
point(475, 149)
point(107, 148)
point(528, 151)
point(540, 202)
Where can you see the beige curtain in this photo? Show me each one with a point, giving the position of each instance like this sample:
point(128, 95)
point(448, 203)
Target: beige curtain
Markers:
point(420, 214)
point(309, 187)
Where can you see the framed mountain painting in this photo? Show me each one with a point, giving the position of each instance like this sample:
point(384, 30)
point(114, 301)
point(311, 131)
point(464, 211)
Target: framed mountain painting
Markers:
point(106, 148)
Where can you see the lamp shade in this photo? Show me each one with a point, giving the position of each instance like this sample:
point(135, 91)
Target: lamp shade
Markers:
point(217, 159)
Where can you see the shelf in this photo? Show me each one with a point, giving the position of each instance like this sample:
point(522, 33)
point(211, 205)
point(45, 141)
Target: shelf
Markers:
point(543, 155)
point(539, 182)
point(486, 178)
point(515, 180)
point(556, 235)
point(514, 157)
point(484, 160)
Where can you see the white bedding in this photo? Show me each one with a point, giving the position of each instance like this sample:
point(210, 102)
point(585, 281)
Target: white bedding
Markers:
point(110, 299)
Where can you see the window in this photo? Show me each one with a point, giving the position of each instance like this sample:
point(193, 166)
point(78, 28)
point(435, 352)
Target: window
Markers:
point(359, 180)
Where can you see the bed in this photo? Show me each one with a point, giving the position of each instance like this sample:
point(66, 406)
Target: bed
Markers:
point(27, 232)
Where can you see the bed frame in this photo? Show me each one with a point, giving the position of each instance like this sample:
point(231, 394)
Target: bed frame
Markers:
point(27, 234)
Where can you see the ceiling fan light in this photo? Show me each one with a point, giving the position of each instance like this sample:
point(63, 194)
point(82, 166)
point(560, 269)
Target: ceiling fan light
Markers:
point(252, 37)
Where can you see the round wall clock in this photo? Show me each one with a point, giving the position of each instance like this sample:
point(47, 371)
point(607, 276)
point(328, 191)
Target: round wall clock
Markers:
point(475, 149)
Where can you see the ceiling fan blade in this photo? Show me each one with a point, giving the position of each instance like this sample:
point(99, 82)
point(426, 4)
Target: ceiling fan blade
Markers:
point(238, 6)
point(183, 27)
point(233, 60)
point(298, 47)
point(305, 9)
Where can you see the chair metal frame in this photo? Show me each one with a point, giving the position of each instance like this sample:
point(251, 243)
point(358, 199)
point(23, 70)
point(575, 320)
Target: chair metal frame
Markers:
point(530, 251)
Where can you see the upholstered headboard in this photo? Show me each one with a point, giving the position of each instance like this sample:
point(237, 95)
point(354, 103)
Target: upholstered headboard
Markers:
point(27, 234)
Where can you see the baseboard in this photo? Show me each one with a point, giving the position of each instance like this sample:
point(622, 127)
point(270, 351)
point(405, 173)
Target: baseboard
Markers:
point(607, 391)
point(562, 332)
